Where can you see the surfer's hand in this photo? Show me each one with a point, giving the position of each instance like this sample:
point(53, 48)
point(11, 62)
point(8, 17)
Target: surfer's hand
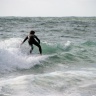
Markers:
point(21, 43)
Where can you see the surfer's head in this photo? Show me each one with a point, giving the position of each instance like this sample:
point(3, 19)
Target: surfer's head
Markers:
point(32, 32)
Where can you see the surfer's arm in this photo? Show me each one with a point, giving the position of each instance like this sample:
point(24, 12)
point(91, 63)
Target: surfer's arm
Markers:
point(37, 39)
point(24, 40)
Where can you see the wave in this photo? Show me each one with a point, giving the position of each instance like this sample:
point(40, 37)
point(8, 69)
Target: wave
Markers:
point(12, 57)
point(58, 83)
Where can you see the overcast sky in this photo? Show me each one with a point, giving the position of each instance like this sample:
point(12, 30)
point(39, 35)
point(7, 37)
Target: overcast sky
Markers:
point(47, 8)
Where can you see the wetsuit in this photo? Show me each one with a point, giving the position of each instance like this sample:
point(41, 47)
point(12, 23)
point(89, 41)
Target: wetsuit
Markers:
point(31, 40)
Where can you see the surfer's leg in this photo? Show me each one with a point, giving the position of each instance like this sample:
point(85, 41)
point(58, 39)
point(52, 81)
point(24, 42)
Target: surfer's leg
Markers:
point(39, 46)
point(31, 48)
point(40, 49)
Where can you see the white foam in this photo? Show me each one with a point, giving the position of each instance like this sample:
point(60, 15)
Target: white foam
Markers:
point(12, 56)
point(68, 43)
point(49, 84)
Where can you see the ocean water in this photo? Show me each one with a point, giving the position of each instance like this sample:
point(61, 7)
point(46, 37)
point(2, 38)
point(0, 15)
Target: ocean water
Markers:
point(67, 66)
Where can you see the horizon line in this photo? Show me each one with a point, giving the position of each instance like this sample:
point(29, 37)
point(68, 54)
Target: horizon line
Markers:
point(47, 16)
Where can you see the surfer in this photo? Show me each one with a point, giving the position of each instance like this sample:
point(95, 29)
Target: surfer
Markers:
point(33, 39)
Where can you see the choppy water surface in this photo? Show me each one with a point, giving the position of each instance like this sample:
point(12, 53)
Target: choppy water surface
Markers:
point(67, 66)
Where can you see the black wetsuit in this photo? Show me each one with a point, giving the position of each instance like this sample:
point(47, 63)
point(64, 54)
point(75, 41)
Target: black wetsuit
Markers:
point(31, 40)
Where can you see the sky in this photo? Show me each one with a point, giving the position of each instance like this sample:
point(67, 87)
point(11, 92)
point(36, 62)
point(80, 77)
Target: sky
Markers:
point(47, 8)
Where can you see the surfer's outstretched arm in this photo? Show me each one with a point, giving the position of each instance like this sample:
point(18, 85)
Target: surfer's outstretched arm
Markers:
point(37, 39)
point(24, 40)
